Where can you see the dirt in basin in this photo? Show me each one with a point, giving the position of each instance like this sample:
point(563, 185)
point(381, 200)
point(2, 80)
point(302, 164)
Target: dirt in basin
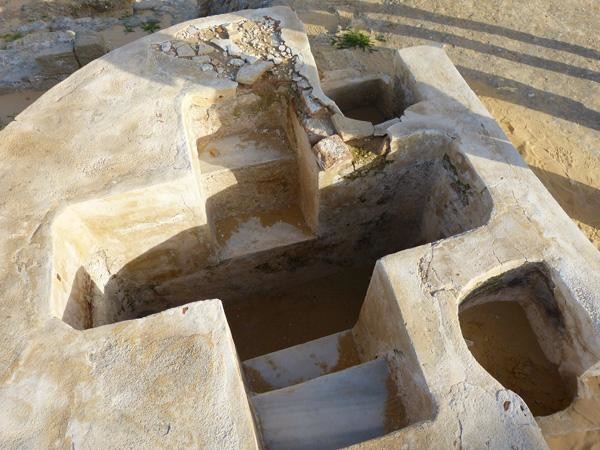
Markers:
point(299, 314)
point(503, 342)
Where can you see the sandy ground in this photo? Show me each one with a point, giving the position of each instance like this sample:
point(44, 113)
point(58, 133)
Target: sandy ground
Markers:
point(537, 69)
point(13, 103)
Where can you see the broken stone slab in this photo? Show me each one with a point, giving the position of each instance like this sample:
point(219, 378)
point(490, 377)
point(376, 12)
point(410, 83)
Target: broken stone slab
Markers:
point(106, 5)
point(303, 84)
point(186, 51)
point(221, 43)
point(58, 59)
point(249, 73)
point(234, 50)
point(276, 60)
point(381, 128)
point(19, 68)
point(309, 104)
point(143, 5)
point(38, 25)
point(233, 31)
point(201, 59)
point(178, 43)
point(249, 58)
point(41, 40)
point(350, 129)
point(317, 128)
point(332, 151)
point(63, 23)
point(205, 49)
point(227, 45)
point(88, 46)
point(191, 30)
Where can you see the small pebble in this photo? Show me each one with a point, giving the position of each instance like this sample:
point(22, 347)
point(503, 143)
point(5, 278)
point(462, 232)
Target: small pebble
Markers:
point(166, 46)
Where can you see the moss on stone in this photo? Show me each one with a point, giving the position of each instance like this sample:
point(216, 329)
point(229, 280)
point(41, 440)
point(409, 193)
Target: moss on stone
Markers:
point(364, 160)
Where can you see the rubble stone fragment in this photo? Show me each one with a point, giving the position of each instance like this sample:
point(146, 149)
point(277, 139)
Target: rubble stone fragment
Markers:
point(350, 129)
point(317, 128)
point(381, 128)
point(186, 51)
point(88, 46)
point(249, 73)
point(332, 151)
point(58, 59)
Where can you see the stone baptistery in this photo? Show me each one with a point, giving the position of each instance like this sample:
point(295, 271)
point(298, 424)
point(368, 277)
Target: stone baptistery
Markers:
point(209, 243)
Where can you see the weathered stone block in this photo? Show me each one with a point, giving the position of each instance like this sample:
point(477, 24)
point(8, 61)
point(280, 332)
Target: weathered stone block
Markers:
point(104, 5)
point(317, 128)
point(88, 46)
point(204, 49)
point(381, 128)
point(201, 59)
point(332, 151)
point(350, 129)
point(58, 59)
point(186, 51)
point(249, 73)
point(309, 104)
point(143, 5)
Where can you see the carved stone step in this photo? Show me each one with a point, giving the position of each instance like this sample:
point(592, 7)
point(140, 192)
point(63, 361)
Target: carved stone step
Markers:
point(331, 411)
point(301, 363)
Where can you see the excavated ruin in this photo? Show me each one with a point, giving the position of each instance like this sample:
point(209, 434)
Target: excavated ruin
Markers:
point(389, 273)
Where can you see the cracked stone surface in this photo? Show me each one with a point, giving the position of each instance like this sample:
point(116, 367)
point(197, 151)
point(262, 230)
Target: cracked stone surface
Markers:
point(249, 73)
point(349, 128)
point(331, 151)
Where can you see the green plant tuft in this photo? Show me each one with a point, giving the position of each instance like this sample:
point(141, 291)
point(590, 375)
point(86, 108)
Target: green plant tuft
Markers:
point(151, 27)
point(353, 39)
point(9, 37)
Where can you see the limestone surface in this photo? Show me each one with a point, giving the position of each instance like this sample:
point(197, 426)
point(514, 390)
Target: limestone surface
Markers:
point(349, 128)
point(249, 73)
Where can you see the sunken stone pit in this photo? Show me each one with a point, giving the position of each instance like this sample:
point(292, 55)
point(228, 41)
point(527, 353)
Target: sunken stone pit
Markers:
point(215, 250)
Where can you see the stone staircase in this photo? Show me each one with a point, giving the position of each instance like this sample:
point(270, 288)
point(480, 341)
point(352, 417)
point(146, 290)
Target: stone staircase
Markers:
point(250, 181)
point(319, 395)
